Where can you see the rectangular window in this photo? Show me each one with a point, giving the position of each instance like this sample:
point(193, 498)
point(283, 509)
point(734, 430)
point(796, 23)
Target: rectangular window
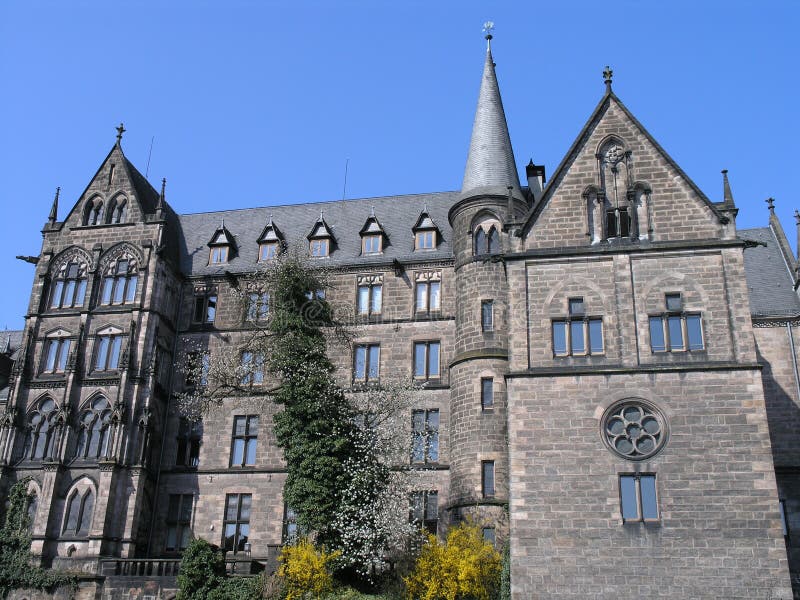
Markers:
point(218, 255)
point(245, 439)
point(428, 296)
point(319, 248)
point(179, 522)
point(290, 530)
point(189, 435)
point(638, 497)
point(252, 368)
point(236, 524)
point(426, 360)
point(618, 222)
point(107, 352)
point(489, 535)
point(257, 306)
point(367, 361)
point(424, 510)
point(487, 393)
point(205, 308)
point(578, 337)
point(371, 244)
point(267, 251)
point(676, 331)
point(487, 478)
point(369, 299)
point(56, 355)
point(487, 315)
point(425, 436)
point(425, 240)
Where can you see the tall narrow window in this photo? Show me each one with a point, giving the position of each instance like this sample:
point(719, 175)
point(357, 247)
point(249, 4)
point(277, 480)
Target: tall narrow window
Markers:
point(638, 497)
point(39, 436)
point(487, 478)
point(79, 513)
point(253, 368)
point(107, 352)
point(95, 430)
point(369, 295)
point(119, 283)
point(236, 524)
point(487, 315)
point(245, 440)
point(425, 436)
point(179, 522)
point(618, 222)
point(487, 393)
point(205, 308)
point(257, 307)
point(56, 354)
point(190, 434)
point(428, 296)
point(489, 536)
point(119, 211)
point(68, 289)
point(424, 510)
point(426, 360)
point(366, 365)
point(676, 330)
point(290, 530)
point(493, 241)
point(579, 334)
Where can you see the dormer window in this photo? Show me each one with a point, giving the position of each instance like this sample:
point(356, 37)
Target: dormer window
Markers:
point(371, 244)
point(320, 240)
point(373, 235)
point(270, 242)
point(426, 232)
point(221, 247)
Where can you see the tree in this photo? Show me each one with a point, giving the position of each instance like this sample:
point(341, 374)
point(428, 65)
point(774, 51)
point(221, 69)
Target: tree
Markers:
point(202, 570)
point(465, 567)
point(16, 568)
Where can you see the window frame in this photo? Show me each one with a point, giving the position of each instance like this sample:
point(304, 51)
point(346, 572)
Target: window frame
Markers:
point(370, 298)
point(204, 305)
point(80, 518)
point(319, 247)
point(60, 356)
point(487, 398)
point(179, 523)
point(237, 522)
point(268, 251)
point(427, 344)
point(187, 443)
point(218, 255)
point(368, 348)
point(119, 287)
point(427, 436)
point(640, 518)
point(254, 367)
point(488, 473)
point(428, 306)
point(256, 307)
point(683, 317)
point(419, 510)
point(577, 315)
point(425, 239)
point(107, 347)
point(61, 285)
point(247, 437)
point(371, 238)
point(487, 315)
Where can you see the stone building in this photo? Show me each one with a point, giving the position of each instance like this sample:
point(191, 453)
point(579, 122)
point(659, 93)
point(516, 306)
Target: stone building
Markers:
point(611, 377)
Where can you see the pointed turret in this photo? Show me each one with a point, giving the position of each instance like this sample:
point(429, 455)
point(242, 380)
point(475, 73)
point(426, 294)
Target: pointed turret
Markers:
point(490, 163)
point(727, 195)
point(53, 217)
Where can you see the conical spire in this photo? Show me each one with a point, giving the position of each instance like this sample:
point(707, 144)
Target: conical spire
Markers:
point(490, 163)
point(54, 209)
point(726, 189)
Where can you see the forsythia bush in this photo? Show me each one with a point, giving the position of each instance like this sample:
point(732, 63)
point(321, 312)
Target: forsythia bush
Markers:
point(465, 567)
point(304, 570)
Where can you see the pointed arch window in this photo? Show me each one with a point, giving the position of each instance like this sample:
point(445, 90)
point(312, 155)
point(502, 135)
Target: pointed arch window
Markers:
point(39, 438)
point(93, 213)
point(486, 239)
point(69, 286)
point(79, 512)
point(95, 429)
point(119, 283)
point(118, 212)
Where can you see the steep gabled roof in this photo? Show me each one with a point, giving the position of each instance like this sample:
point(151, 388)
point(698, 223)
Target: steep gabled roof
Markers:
point(424, 221)
point(372, 225)
point(321, 229)
point(270, 233)
point(222, 237)
point(579, 143)
point(770, 281)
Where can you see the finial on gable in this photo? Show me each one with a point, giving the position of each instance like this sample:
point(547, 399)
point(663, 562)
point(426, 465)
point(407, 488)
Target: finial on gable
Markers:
point(54, 209)
point(727, 195)
point(608, 74)
point(163, 195)
point(770, 205)
point(120, 130)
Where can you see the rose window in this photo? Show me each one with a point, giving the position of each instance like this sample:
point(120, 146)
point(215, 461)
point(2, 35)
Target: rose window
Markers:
point(634, 429)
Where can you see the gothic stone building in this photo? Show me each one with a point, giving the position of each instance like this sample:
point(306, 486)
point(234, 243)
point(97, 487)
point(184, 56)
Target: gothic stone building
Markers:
point(612, 381)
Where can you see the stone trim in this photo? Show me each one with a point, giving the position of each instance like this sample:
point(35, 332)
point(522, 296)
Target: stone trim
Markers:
point(618, 370)
point(487, 353)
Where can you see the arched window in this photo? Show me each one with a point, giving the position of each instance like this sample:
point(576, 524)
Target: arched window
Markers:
point(93, 213)
point(494, 241)
point(95, 429)
point(119, 283)
point(33, 504)
point(118, 211)
point(68, 288)
point(39, 439)
point(486, 239)
point(480, 242)
point(79, 512)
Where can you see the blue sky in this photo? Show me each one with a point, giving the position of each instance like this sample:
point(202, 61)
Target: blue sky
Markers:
point(260, 103)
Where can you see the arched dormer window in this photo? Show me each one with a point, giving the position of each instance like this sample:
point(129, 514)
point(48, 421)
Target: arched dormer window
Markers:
point(93, 212)
point(95, 430)
point(119, 280)
point(118, 211)
point(68, 286)
point(39, 438)
point(80, 507)
point(486, 236)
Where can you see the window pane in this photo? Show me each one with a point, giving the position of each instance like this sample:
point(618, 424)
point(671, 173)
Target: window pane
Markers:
point(72, 513)
point(252, 425)
point(238, 451)
point(647, 485)
point(119, 289)
point(113, 361)
point(576, 337)
point(487, 393)
point(486, 315)
point(433, 359)
point(657, 343)
point(185, 537)
point(559, 338)
point(630, 509)
point(418, 421)
point(81, 292)
point(488, 477)
point(433, 446)
point(494, 241)
point(52, 350)
point(422, 296)
point(363, 299)
point(361, 362)
point(250, 457)
point(232, 507)
point(186, 509)
point(244, 515)
point(611, 224)
point(69, 293)
point(432, 506)
point(419, 360)
point(694, 332)
point(172, 537)
point(131, 292)
point(377, 298)
point(576, 306)
point(624, 222)
point(211, 311)
point(86, 514)
point(435, 297)
point(488, 535)
point(102, 353)
point(63, 354)
point(230, 536)
point(596, 336)
point(675, 333)
point(374, 361)
point(480, 242)
point(57, 291)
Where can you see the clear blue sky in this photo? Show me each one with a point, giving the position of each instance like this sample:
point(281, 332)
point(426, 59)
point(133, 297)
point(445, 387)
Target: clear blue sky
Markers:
point(258, 103)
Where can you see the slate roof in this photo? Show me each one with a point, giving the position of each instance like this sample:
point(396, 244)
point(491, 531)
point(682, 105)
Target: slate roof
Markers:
point(397, 215)
point(769, 280)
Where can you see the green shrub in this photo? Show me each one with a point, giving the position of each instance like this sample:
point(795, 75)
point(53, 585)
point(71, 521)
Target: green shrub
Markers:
point(202, 571)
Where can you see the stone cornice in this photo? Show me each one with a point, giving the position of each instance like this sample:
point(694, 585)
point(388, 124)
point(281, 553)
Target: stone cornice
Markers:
point(622, 370)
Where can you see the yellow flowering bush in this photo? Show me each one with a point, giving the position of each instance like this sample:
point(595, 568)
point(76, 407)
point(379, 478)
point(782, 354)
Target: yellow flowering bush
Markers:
point(304, 570)
point(465, 567)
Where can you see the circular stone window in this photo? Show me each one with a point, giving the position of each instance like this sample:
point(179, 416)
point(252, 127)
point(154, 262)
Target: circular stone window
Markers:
point(634, 429)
